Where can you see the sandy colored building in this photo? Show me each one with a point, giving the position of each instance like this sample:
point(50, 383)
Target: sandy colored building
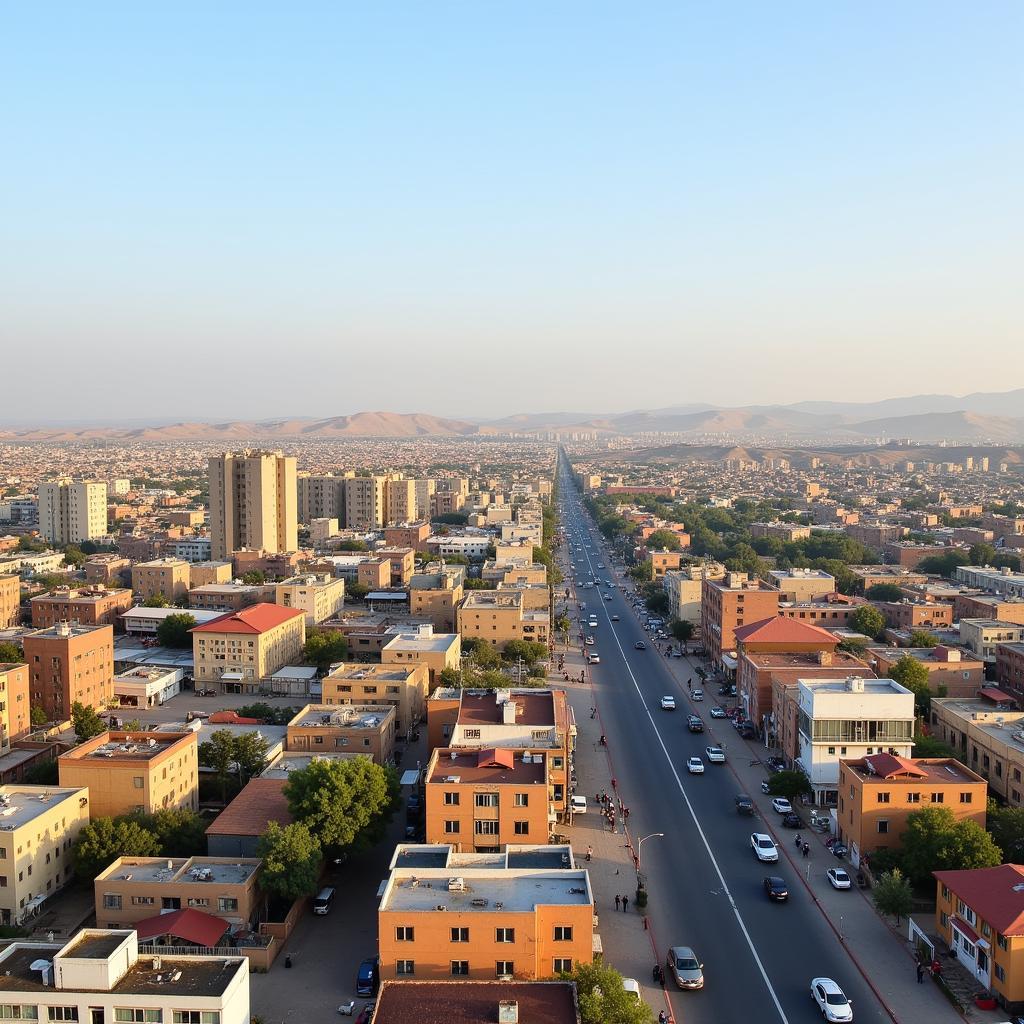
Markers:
point(802, 584)
point(366, 502)
point(683, 587)
point(228, 597)
point(374, 573)
point(94, 606)
point(484, 800)
point(735, 600)
point(15, 709)
point(405, 687)
point(878, 792)
point(319, 596)
point(133, 889)
point(71, 512)
point(449, 915)
point(953, 669)
point(498, 617)
point(983, 636)
point(514, 571)
point(988, 606)
point(10, 598)
point(253, 502)
point(39, 827)
point(70, 663)
point(367, 729)
point(422, 646)
point(202, 574)
point(833, 611)
point(664, 561)
point(408, 535)
point(780, 531)
point(401, 501)
point(320, 496)
point(436, 593)
point(105, 569)
point(403, 563)
point(239, 649)
point(915, 614)
point(169, 577)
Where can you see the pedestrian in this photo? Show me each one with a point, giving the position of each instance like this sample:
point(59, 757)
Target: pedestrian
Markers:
point(615, 784)
point(806, 848)
point(920, 972)
point(625, 813)
point(617, 899)
point(590, 852)
point(625, 902)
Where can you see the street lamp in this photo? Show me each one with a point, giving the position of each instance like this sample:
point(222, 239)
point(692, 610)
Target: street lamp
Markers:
point(653, 835)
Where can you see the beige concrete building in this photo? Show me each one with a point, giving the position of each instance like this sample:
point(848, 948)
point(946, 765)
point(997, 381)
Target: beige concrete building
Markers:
point(93, 606)
point(228, 597)
point(499, 617)
point(802, 584)
point(133, 889)
point(422, 646)
point(10, 598)
point(71, 512)
point(366, 502)
point(139, 771)
point(70, 663)
point(321, 496)
point(401, 501)
point(39, 827)
point(405, 687)
point(253, 502)
point(170, 577)
point(238, 650)
point(105, 569)
point(436, 593)
point(513, 571)
point(407, 535)
point(683, 587)
point(983, 636)
point(321, 597)
point(15, 711)
point(403, 562)
point(202, 574)
point(367, 729)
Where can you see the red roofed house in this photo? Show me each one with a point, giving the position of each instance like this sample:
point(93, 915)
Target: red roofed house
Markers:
point(236, 831)
point(183, 928)
point(980, 913)
point(234, 652)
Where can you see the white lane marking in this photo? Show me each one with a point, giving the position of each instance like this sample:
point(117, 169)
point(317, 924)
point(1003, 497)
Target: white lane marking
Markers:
point(700, 831)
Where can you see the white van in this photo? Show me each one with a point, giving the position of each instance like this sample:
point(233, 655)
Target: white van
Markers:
point(323, 901)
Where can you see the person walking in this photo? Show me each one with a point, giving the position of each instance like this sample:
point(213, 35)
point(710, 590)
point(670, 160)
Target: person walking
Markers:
point(617, 901)
point(920, 972)
point(625, 902)
point(590, 853)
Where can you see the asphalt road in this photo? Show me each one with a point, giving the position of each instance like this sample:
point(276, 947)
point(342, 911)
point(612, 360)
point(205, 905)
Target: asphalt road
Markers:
point(704, 881)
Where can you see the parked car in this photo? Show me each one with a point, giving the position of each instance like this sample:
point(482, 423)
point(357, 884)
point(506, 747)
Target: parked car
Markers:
point(694, 724)
point(594, 658)
point(615, 618)
point(792, 820)
point(831, 1000)
point(781, 805)
point(697, 695)
point(776, 889)
point(639, 646)
point(776, 764)
point(695, 766)
point(838, 878)
point(684, 966)
point(717, 712)
point(578, 805)
point(744, 805)
point(668, 703)
point(764, 847)
point(368, 977)
point(716, 755)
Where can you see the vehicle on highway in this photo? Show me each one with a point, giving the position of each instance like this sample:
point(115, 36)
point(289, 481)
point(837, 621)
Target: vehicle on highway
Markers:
point(695, 766)
point(716, 755)
point(717, 712)
point(589, 641)
point(781, 805)
point(839, 879)
point(578, 805)
point(697, 695)
point(687, 970)
point(776, 889)
point(765, 785)
point(607, 597)
point(615, 618)
point(831, 1000)
point(668, 703)
point(744, 805)
point(792, 820)
point(694, 724)
point(764, 847)
point(639, 646)
point(594, 658)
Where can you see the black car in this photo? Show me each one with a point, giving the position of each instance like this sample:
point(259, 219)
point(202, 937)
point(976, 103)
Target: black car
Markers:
point(744, 805)
point(775, 764)
point(776, 889)
point(694, 724)
point(639, 646)
point(792, 820)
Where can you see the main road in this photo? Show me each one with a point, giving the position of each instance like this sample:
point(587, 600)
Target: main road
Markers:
point(704, 881)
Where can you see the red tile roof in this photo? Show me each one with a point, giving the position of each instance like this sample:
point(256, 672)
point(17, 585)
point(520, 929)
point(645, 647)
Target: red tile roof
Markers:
point(889, 766)
point(780, 629)
point(995, 695)
point(996, 895)
point(495, 759)
point(194, 926)
point(260, 802)
point(475, 1002)
point(257, 618)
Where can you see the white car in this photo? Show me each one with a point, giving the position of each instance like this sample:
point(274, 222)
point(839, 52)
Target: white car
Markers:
point(781, 805)
point(831, 1000)
point(764, 847)
point(589, 641)
point(695, 766)
point(697, 695)
point(668, 703)
point(615, 618)
point(839, 878)
point(717, 712)
point(594, 659)
point(578, 805)
point(716, 755)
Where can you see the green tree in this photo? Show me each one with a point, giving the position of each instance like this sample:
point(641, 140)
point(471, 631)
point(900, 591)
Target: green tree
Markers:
point(929, 746)
point(562, 623)
point(325, 647)
point(218, 753)
point(291, 861)
point(480, 653)
point(254, 578)
point(10, 653)
point(868, 620)
point(602, 998)
point(884, 592)
point(251, 754)
point(179, 831)
point(982, 554)
point(74, 555)
point(790, 784)
point(1006, 825)
point(642, 573)
point(157, 600)
point(132, 725)
point(682, 630)
point(346, 804)
point(922, 638)
point(935, 840)
point(38, 717)
point(912, 674)
point(663, 539)
point(352, 545)
point(103, 840)
point(528, 650)
point(452, 518)
point(174, 630)
point(945, 564)
point(86, 722)
point(893, 894)
point(356, 591)
point(43, 773)
point(657, 602)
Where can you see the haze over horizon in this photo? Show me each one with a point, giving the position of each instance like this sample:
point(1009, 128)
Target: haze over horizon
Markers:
point(229, 212)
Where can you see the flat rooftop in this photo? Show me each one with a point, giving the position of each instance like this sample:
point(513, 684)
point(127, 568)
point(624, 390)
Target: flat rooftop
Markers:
point(347, 716)
point(485, 889)
point(871, 686)
point(438, 642)
point(809, 660)
point(444, 855)
point(357, 671)
point(924, 770)
point(490, 599)
point(21, 804)
point(224, 870)
point(533, 707)
point(92, 945)
point(83, 596)
point(126, 746)
point(63, 631)
point(289, 761)
point(486, 766)
point(462, 1001)
point(926, 654)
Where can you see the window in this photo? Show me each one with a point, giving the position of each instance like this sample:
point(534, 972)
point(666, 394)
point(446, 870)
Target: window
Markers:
point(134, 1015)
point(195, 1016)
point(944, 918)
point(471, 734)
point(18, 1011)
point(522, 828)
point(938, 798)
point(405, 968)
point(1000, 973)
point(965, 912)
point(831, 750)
point(405, 933)
point(557, 763)
point(460, 968)
point(504, 935)
point(143, 901)
point(883, 826)
point(561, 965)
point(486, 828)
point(913, 798)
point(451, 827)
point(563, 933)
point(945, 893)
point(1001, 942)
point(460, 935)
point(198, 901)
point(485, 799)
point(451, 799)
point(226, 903)
point(883, 798)
point(504, 969)
point(62, 1013)
point(521, 800)
point(966, 798)
point(111, 901)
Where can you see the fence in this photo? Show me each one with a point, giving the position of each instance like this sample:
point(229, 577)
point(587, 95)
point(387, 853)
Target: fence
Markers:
point(260, 957)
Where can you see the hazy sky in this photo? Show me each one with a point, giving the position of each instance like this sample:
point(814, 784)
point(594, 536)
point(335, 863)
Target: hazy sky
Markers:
point(250, 209)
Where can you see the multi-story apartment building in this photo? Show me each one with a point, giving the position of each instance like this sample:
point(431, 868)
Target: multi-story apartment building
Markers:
point(69, 663)
point(498, 617)
point(407, 535)
point(366, 502)
point(237, 650)
point(952, 671)
point(133, 889)
point(72, 511)
point(448, 915)
point(38, 828)
point(996, 581)
point(909, 615)
point(983, 636)
point(15, 710)
point(876, 535)
point(802, 584)
point(878, 792)
point(988, 606)
point(10, 600)
point(847, 719)
point(228, 597)
point(253, 502)
point(683, 587)
point(98, 975)
point(833, 611)
point(168, 577)
point(404, 687)
point(664, 561)
point(193, 549)
point(93, 606)
point(321, 496)
point(402, 563)
point(872, 575)
point(105, 569)
point(422, 646)
point(201, 574)
point(139, 771)
point(425, 488)
point(357, 729)
point(401, 501)
point(735, 600)
point(539, 721)
point(436, 593)
point(321, 597)
point(483, 800)
point(1010, 670)
point(780, 531)
point(142, 621)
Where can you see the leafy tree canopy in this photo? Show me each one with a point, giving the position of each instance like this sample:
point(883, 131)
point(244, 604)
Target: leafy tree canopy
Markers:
point(174, 630)
point(10, 653)
point(790, 784)
point(602, 998)
point(935, 840)
point(325, 647)
point(291, 861)
point(884, 592)
point(893, 894)
point(86, 722)
point(868, 620)
point(103, 840)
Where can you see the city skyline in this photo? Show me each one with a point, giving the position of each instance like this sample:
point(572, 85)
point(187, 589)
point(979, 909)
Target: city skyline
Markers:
point(609, 201)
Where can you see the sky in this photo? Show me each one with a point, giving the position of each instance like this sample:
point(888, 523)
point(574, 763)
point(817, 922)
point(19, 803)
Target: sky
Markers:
point(244, 210)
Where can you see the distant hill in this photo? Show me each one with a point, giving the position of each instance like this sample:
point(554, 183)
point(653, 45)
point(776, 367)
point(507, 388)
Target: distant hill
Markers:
point(963, 426)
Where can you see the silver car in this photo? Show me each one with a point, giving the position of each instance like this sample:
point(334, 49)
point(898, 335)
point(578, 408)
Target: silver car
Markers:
point(685, 967)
